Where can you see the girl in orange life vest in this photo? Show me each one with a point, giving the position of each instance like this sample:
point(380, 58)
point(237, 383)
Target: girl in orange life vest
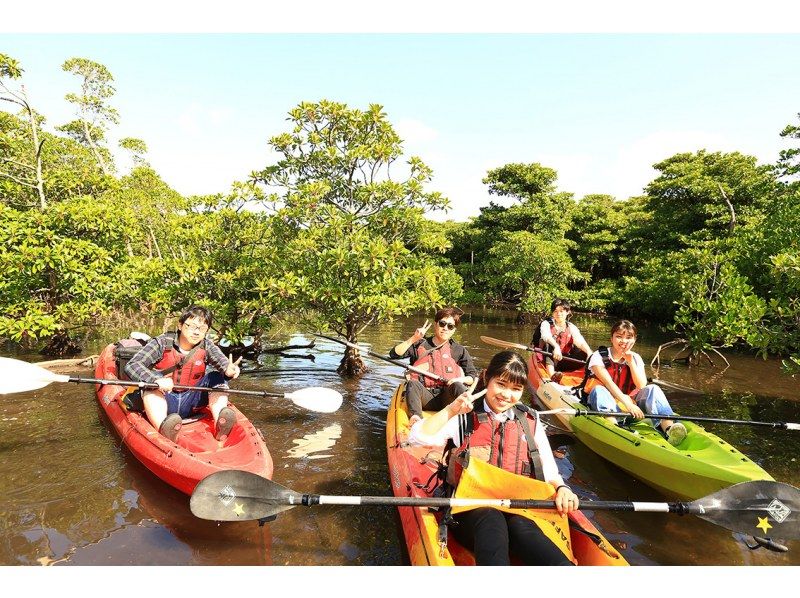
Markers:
point(168, 360)
point(441, 355)
point(623, 382)
point(499, 436)
point(561, 337)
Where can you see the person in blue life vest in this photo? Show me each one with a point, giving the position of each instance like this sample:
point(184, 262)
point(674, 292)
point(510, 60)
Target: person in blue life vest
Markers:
point(440, 355)
point(621, 383)
point(183, 359)
point(560, 337)
point(496, 430)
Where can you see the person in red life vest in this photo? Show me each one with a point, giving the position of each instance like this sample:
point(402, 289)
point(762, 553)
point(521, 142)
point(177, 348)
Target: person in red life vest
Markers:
point(622, 383)
point(440, 355)
point(561, 337)
point(497, 430)
point(181, 359)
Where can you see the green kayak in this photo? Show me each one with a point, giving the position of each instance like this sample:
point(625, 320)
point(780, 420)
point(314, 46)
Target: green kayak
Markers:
point(702, 464)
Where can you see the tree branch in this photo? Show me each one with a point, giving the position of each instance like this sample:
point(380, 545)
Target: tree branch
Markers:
point(732, 222)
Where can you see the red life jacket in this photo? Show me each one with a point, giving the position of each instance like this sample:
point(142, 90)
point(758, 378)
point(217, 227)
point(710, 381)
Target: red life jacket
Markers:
point(504, 445)
point(563, 338)
point(185, 372)
point(620, 372)
point(439, 361)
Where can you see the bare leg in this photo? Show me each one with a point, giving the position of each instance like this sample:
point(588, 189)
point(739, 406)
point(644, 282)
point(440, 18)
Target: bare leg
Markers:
point(217, 401)
point(155, 406)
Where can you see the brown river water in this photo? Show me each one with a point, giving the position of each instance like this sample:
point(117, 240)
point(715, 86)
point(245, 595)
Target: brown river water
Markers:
point(71, 493)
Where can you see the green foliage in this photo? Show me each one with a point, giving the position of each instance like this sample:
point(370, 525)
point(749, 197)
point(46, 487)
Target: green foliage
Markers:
point(48, 281)
point(9, 67)
point(137, 148)
point(687, 202)
point(69, 169)
point(92, 107)
point(597, 226)
point(351, 242)
point(518, 254)
point(717, 307)
point(789, 161)
point(528, 269)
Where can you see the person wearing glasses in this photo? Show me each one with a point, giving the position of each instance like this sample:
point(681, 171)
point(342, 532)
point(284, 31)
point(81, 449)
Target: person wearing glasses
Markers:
point(560, 337)
point(181, 359)
point(440, 355)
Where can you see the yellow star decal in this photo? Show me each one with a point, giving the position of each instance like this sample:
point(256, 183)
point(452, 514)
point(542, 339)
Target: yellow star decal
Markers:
point(238, 509)
point(763, 524)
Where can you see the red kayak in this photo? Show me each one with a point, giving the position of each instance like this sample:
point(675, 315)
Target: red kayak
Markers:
point(197, 453)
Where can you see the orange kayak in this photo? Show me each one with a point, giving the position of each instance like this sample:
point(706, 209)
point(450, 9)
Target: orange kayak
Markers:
point(411, 469)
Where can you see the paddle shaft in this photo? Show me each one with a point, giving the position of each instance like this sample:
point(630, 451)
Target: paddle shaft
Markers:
point(152, 385)
point(379, 356)
point(713, 420)
point(680, 508)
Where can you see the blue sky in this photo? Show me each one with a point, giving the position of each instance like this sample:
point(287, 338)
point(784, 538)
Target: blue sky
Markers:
point(599, 108)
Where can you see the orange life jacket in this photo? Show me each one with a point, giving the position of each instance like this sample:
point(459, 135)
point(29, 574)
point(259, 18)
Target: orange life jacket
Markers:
point(186, 370)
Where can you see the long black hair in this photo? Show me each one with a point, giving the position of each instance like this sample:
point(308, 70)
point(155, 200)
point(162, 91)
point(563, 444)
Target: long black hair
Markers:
point(506, 365)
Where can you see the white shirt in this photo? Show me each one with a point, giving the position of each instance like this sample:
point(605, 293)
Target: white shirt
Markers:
point(597, 359)
point(450, 431)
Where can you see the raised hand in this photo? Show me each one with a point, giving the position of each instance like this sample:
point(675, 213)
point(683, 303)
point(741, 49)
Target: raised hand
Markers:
point(233, 371)
point(420, 332)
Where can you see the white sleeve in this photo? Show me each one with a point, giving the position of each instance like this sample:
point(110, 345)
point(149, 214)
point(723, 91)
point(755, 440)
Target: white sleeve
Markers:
point(547, 336)
point(549, 467)
point(577, 336)
point(596, 359)
point(449, 430)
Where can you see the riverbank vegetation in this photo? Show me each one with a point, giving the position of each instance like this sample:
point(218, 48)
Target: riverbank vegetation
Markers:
point(336, 233)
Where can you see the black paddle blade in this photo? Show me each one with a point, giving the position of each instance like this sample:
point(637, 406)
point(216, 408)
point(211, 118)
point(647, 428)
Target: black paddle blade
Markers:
point(234, 495)
point(758, 508)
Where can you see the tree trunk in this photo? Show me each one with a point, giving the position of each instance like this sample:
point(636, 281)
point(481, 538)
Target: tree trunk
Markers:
point(93, 146)
point(351, 364)
point(61, 345)
point(37, 148)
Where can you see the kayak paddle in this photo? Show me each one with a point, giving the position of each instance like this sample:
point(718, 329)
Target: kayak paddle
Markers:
point(713, 420)
point(379, 356)
point(21, 376)
point(756, 508)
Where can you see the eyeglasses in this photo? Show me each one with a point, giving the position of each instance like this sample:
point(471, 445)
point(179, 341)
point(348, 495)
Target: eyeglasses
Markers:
point(448, 325)
point(196, 327)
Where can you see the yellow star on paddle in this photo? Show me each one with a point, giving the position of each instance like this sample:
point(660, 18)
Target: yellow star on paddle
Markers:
point(238, 509)
point(763, 524)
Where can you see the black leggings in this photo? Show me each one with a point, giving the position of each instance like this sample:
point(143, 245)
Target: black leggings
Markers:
point(492, 535)
point(418, 397)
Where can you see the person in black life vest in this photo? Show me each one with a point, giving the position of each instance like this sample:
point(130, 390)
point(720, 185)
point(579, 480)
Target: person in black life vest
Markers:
point(440, 355)
point(181, 359)
point(561, 337)
point(621, 383)
point(492, 429)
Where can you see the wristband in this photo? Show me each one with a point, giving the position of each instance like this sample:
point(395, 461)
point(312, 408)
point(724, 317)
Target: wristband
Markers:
point(560, 487)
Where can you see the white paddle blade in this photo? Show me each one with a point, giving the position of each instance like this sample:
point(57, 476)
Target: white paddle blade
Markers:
point(20, 376)
point(316, 398)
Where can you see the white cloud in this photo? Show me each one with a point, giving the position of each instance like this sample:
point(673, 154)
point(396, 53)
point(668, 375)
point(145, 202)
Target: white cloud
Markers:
point(414, 132)
point(197, 120)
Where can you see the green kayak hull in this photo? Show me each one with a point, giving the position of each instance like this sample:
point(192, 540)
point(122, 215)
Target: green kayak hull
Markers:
point(702, 464)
